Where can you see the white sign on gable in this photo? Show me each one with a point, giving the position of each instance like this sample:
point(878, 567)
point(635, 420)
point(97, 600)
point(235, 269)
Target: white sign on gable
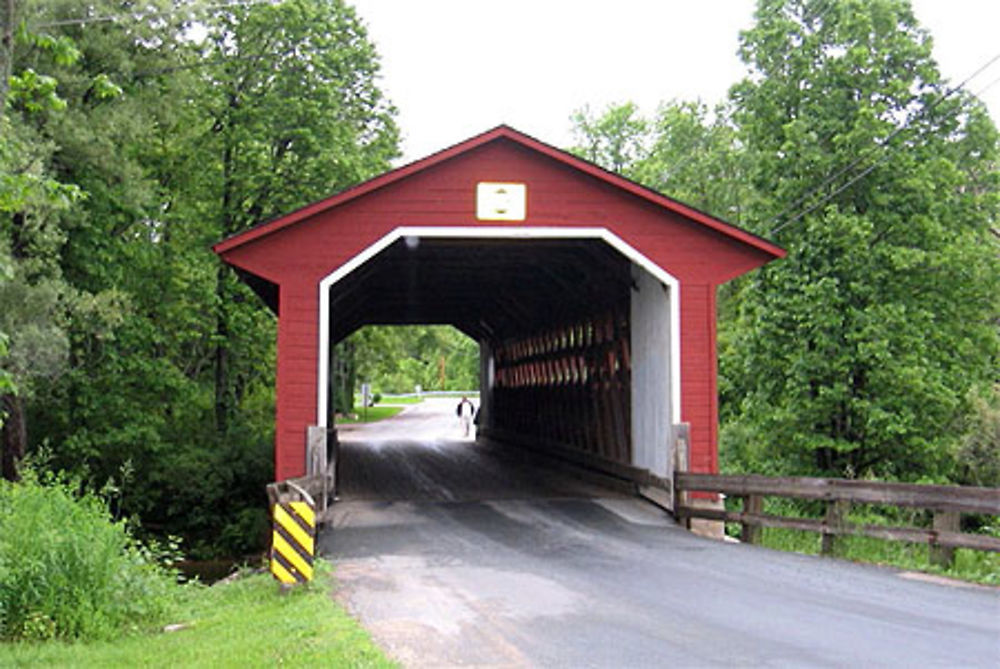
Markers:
point(501, 201)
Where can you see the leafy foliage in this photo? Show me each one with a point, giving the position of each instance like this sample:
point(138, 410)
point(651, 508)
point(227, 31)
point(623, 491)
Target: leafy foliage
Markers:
point(294, 115)
point(134, 145)
point(854, 354)
point(127, 147)
point(397, 359)
point(618, 139)
point(684, 151)
point(243, 623)
point(859, 353)
point(68, 571)
point(978, 452)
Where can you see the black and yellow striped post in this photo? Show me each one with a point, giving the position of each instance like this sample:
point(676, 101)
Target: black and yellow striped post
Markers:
point(293, 542)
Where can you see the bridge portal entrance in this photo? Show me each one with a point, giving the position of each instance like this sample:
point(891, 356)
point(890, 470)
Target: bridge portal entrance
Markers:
point(592, 298)
point(553, 311)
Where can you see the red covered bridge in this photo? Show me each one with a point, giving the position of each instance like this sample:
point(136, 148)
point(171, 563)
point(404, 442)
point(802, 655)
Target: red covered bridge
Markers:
point(592, 298)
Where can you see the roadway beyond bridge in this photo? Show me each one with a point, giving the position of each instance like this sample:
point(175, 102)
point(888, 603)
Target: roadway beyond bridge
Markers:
point(454, 553)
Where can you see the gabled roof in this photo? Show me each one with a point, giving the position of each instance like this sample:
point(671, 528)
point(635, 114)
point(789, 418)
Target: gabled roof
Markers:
point(501, 132)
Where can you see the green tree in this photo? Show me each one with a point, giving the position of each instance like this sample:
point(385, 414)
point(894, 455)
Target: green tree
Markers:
point(685, 151)
point(696, 158)
point(855, 354)
point(33, 294)
point(295, 114)
point(102, 245)
point(172, 143)
point(618, 139)
point(978, 452)
point(395, 359)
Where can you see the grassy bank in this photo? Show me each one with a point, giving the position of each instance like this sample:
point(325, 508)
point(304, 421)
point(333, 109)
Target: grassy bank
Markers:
point(241, 624)
point(370, 415)
point(401, 399)
point(969, 565)
point(973, 566)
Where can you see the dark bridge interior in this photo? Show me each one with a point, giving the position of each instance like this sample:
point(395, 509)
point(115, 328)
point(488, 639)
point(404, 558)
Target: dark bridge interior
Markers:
point(553, 312)
point(490, 289)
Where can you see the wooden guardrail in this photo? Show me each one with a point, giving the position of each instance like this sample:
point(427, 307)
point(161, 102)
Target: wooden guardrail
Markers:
point(946, 502)
point(318, 488)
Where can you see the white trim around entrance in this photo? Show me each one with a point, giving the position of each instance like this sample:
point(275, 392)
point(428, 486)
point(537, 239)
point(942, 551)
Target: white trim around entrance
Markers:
point(497, 232)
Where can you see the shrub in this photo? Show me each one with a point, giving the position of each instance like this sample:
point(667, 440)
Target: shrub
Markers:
point(68, 571)
point(978, 453)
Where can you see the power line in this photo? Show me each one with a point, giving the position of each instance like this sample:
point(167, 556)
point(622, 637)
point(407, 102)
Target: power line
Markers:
point(824, 10)
point(806, 212)
point(987, 87)
point(201, 63)
point(866, 155)
point(142, 14)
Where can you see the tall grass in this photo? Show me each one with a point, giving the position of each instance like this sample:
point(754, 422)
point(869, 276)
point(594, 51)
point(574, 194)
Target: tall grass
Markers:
point(67, 570)
point(241, 624)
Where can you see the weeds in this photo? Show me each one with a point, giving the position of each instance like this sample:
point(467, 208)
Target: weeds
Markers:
point(245, 623)
point(67, 570)
point(976, 566)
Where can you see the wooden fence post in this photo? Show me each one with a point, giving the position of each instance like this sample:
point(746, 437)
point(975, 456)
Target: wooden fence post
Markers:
point(750, 531)
point(316, 463)
point(944, 521)
point(682, 432)
point(947, 503)
point(836, 515)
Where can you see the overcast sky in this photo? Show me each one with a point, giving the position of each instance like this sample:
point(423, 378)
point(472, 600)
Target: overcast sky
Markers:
point(455, 68)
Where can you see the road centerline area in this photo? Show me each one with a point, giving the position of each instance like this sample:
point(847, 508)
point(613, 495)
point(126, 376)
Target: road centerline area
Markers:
point(454, 553)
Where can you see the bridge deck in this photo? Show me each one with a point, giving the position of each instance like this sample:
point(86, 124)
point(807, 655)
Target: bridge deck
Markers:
point(454, 471)
point(421, 455)
point(494, 561)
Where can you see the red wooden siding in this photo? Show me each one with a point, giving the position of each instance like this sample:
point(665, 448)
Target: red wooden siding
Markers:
point(445, 196)
point(298, 251)
point(296, 376)
point(699, 400)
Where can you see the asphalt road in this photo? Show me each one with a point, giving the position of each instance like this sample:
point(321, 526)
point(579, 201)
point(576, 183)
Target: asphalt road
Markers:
point(459, 554)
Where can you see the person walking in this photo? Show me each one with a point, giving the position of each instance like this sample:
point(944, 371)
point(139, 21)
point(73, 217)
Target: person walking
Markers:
point(465, 411)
